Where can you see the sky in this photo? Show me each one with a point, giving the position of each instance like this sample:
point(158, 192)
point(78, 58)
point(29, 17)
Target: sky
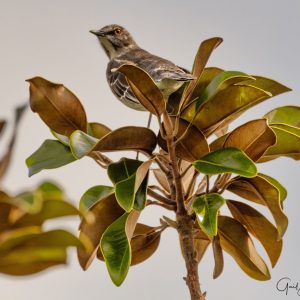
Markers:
point(52, 39)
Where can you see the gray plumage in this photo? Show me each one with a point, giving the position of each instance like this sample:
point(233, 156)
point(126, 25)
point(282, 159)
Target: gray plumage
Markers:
point(122, 49)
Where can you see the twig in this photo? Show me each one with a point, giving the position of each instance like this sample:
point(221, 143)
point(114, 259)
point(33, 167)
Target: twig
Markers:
point(160, 197)
point(164, 205)
point(207, 184)
point(155, 187)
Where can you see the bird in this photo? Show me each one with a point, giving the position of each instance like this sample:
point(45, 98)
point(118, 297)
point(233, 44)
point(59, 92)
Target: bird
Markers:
point(121, 49)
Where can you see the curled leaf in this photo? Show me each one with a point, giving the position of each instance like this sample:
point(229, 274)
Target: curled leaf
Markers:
point(254, 138)
point(208, 205)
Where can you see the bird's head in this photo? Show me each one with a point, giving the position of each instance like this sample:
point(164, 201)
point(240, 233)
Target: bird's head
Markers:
point(115, 39)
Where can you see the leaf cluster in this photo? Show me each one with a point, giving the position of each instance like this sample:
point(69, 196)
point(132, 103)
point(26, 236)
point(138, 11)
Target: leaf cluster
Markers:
point(200, 109)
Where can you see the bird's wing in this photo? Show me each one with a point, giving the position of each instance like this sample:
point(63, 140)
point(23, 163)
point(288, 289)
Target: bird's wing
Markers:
point(171, 71)
point(120, 88)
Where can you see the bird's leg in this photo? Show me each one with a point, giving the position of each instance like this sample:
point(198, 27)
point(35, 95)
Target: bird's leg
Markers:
point(148, 126)
point(149, 120)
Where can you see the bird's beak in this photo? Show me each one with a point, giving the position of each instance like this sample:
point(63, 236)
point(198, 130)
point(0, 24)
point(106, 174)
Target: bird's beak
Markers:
point(97, 32)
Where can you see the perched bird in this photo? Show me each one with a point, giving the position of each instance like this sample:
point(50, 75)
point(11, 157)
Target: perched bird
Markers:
point(121, 49)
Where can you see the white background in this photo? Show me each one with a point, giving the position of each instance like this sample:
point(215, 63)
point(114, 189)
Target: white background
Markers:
point(51, 39)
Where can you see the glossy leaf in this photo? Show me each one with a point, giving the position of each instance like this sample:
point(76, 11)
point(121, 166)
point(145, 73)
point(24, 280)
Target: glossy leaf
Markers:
point(259, 190)
point(192, 146)
point(97, 130)
point(130, 178)
point(105, 212)
point(218, 257)
point(266, 84)
point(62, 138)
point(81, 143)
point(208, 205)
point(227, 160)
point(259, 226)
point(254, 138)
point(219, 83)
point(230, 103)
point(93, 195)
point(51, 154)
point(6, 158)
point(289, 115)
point(201, 59)
point(282, 190)
point(128, 138)
point(115, 246)
point(287, 144)
point(144, 243)
point(144, 88)
point(57, 106)
point(237, 243)
point(205, 78)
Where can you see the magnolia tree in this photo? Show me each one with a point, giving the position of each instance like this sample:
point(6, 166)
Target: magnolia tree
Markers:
point(191, 172)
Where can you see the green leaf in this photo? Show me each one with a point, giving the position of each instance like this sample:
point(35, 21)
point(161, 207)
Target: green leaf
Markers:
point(93, 195)
point(62, 138)
point(287, 143)
point(289, 115)
point(57, 106)
point(208, 205)
point(219, 83)
point(115, 246)
point(144, 88)
point(81, 143)
point(259, 226)
point(130, 179)
point(260, 190)
point(144, 243)
point(236, 241)
point(227, 160)
point(105, 212)
point(51, 154)
point(230, 103)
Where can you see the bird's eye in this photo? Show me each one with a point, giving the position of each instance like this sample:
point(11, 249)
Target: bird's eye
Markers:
point(118, 31)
